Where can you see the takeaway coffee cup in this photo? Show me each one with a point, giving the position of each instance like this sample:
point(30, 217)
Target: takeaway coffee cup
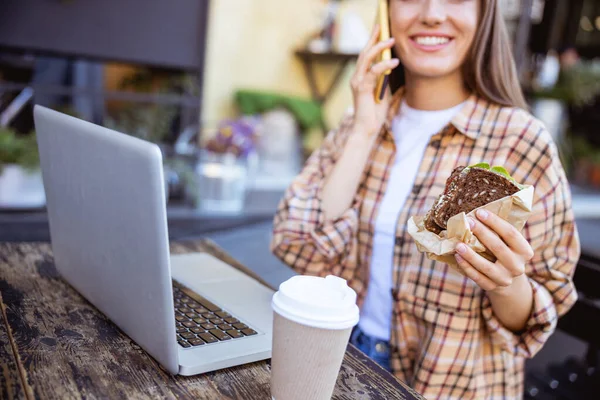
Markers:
point(312, 321)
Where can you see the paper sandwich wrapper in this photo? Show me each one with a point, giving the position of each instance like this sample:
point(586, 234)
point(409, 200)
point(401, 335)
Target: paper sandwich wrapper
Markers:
point(515, 209)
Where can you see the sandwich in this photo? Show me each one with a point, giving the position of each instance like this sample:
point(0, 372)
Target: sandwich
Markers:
point(469, 188)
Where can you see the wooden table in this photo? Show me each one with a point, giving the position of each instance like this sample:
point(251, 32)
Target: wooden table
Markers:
point(55, 345)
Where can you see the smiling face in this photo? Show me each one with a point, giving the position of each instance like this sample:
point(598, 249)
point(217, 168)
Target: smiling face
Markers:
point(433, 37)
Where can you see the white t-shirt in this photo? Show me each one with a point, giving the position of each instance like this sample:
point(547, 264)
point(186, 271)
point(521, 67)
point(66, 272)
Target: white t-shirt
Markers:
point(412, 130)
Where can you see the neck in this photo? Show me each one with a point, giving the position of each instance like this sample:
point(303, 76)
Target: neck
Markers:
point(424, 93)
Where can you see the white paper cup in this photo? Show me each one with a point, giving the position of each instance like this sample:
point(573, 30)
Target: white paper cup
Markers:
point(312, 321)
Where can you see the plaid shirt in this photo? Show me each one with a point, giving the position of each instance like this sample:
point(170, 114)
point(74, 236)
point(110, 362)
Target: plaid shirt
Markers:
point(446, 341)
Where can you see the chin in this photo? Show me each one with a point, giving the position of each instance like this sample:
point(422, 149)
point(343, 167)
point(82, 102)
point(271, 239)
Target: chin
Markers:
point(429, 70)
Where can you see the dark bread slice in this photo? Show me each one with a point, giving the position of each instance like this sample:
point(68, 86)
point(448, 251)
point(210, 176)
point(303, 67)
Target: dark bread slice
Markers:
point(429, 222)
point(469, 189)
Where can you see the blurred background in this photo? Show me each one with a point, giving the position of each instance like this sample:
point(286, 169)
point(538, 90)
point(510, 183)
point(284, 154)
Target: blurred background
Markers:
point(237, 93)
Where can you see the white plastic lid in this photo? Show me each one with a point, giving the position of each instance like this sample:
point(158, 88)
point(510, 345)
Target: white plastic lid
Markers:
point(327, 303)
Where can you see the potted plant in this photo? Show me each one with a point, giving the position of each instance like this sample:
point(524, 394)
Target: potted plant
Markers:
point(21, 183)
point(226, 165)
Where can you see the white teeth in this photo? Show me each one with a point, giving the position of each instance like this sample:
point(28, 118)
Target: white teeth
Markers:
point(431, 40)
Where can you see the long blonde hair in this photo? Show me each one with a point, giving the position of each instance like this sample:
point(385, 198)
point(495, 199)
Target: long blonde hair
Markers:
point(489, 69)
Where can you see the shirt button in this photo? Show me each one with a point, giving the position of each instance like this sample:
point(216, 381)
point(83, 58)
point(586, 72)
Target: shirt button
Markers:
point(380, 347)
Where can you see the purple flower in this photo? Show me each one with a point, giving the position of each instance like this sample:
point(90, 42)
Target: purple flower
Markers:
point(236, 136)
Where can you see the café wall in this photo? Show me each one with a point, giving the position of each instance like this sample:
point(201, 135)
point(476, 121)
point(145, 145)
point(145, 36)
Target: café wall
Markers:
point(251, 45)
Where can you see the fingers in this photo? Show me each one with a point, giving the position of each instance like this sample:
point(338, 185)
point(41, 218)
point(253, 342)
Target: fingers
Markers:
point(471, 272)
point(372, 53)
point(383, 66)
point(366, 75)
point(370, 43)
point(368, 55)
point(508, 233)
point(496, 246)
point(484, 273)
point(374, 36)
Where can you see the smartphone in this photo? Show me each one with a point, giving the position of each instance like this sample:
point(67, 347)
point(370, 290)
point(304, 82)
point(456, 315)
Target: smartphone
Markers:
point(383, 19)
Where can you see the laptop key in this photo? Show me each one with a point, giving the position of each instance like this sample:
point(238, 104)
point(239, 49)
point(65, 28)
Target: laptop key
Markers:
point(208, 321)
point(208, 338)
point(192, 304)
point(196, 342)
point(208, 305)
point(183, 343)
point(220, 334)
point(234, 334)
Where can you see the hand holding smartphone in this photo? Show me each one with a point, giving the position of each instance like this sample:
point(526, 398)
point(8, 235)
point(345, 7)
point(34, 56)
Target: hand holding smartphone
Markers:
point(384, 34)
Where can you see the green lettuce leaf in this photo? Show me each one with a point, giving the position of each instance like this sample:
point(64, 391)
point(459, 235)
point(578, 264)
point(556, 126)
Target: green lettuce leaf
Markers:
point(499, 170)
point(482, 165)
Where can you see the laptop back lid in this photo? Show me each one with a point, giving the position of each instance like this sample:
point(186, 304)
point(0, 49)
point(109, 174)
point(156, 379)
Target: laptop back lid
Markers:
point(108, 226)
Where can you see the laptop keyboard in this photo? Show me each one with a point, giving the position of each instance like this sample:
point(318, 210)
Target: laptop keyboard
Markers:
point(200, 322)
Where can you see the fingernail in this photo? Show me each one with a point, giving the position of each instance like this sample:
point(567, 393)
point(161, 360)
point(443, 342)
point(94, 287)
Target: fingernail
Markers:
point(461, 248)
point(390, 40)
point(471, 222)
point(482, 214)
point(395, 61)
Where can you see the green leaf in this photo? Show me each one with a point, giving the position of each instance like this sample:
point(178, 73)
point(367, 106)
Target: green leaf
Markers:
point(18, 149)
point(501, 170)
point(482, 165)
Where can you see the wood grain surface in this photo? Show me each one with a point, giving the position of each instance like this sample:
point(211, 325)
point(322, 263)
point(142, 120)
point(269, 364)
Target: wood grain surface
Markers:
point(56, 345)
point(11, 386)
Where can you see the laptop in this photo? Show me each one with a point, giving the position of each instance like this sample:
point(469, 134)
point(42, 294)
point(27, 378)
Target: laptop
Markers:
point(108, 225)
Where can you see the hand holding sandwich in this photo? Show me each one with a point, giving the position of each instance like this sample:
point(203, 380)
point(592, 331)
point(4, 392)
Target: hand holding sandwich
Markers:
point(505, 282)
point(500, 271)
point(508, 246)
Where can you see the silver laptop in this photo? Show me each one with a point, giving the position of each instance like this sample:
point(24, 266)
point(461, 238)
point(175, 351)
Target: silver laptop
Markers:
point(108, 225)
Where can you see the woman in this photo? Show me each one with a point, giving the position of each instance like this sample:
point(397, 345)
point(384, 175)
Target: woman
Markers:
point(446, 333)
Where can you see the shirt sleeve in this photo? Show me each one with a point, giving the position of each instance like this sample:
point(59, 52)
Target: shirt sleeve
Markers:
point(552, 233)
point(302, 238)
